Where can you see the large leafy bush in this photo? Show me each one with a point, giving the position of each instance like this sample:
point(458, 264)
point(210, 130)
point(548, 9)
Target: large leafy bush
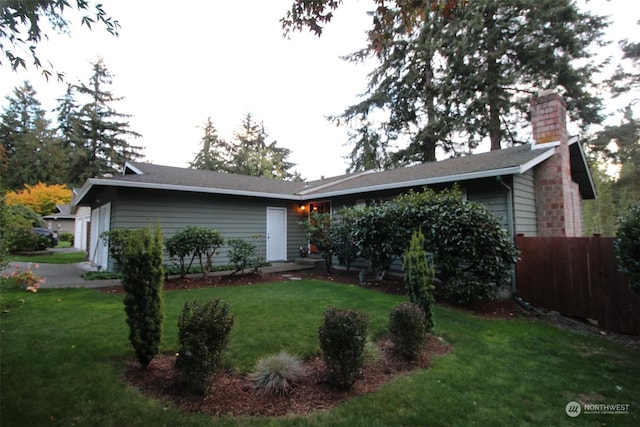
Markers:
point(472, 253)
point(203, 333)
point(627, 246)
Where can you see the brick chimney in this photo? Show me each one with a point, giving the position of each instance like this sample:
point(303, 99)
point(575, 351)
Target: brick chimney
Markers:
point(559, 210)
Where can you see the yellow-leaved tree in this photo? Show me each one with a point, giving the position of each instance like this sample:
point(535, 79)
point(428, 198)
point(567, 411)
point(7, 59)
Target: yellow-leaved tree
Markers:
point(41, 197)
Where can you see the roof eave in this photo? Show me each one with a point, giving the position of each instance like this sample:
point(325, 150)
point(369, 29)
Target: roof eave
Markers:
point(420, 182)
point(171, 187)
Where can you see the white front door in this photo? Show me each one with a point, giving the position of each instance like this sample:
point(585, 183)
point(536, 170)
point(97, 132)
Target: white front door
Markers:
point(276, 234)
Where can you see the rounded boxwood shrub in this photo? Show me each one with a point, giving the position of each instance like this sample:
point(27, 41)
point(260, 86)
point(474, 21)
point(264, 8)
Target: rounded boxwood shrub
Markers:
point(343, 337)
point(203, 333)
point(408, 329)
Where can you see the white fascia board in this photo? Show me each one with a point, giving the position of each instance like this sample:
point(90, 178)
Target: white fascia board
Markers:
point(544, 146)
point(421, 182)
point(82, 191)
point(128, 165)
point(536, 161)
point(171, 187)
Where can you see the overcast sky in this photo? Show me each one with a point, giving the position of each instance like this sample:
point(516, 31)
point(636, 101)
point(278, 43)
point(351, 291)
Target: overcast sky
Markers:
point(177, 63)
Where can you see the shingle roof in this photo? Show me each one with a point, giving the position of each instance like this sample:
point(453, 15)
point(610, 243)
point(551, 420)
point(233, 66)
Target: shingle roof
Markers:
point(495, 163)
point(502, 162)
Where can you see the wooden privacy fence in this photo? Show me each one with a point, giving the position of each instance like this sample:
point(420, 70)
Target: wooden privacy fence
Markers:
point(578, 277)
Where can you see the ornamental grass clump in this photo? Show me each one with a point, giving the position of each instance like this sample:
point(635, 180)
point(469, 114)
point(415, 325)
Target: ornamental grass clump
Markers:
point(408, 329)
point(343, 337)
point(277, 374)
point(203, 333)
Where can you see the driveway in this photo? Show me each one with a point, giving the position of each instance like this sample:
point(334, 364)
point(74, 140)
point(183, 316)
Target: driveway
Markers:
point(64, 275)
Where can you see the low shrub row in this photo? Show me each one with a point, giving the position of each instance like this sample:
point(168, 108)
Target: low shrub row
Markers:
point(204, 330)
point(191, 245)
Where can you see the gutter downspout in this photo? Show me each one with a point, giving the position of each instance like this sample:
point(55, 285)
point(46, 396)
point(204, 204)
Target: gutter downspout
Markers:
point(511, 230)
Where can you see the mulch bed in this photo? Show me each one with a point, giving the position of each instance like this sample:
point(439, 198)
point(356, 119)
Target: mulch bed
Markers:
point(235, 394)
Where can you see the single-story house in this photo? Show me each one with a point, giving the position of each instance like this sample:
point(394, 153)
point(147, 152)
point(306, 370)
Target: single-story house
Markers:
point(536, 189)
point(62, 220)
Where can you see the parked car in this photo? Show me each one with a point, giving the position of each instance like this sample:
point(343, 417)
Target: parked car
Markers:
point(52, 235)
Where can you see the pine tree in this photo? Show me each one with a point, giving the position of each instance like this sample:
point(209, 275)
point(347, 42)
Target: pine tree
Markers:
point(215, 152)
point(31, 150)
point(252, 155)
point(101, 131)
point(76, 156)
point(453, 73)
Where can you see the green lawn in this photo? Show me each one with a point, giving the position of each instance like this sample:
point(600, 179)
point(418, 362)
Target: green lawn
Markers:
point(63, 353)
point(51, 258)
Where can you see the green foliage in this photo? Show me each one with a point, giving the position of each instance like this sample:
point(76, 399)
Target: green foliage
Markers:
point(407, 325)
point(181, 250)
point(22, 27)
point(65, 236)
point(215, 151)
point(197, 242)
point(243, 256)
point(30, 151)
point(277, 374)
point(142, 279)
point(203, 333)
point(343, 336)
point(472, 254)
point(206, 242)
point(98, 156)
point(464, 68)
point(117, 240)
point(31, 217)
point(318, 229)
point(419, 277)
point(342, 244)
point(4, 228)
point(252, 155)
point(19, 235)
point(627, 247)
point(378, 235)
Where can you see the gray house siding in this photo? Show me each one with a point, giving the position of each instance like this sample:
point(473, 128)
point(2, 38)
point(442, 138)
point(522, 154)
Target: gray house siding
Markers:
point(235, 217)
point(525, 204)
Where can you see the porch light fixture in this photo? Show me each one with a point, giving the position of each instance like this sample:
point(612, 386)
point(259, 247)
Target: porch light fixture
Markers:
point(302, 207)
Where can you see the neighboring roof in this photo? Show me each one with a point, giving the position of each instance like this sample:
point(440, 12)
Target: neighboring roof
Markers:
point(62, 212)
point(509, 161)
